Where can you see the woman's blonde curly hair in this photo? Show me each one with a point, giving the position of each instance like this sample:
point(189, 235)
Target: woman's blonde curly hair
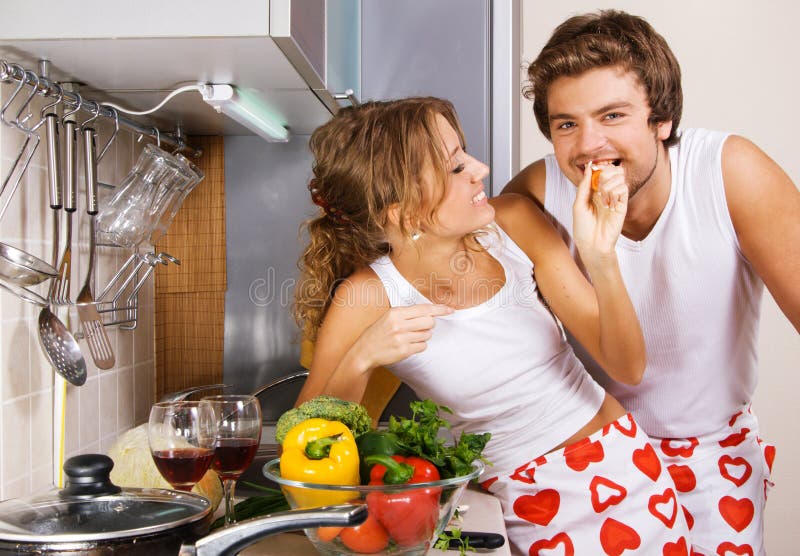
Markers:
point(366, 159)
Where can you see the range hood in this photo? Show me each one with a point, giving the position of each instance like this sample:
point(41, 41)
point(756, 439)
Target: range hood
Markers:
point(134, 54)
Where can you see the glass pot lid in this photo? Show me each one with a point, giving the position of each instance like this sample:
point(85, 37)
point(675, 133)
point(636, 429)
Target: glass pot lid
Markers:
point(92, 508)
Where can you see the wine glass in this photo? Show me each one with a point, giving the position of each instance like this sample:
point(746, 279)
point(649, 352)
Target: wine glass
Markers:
point(238, 422)
point(181, 435)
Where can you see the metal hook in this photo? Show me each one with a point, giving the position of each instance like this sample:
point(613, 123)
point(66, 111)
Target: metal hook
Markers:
point(20, 123)
point(96, 114)
point(78, 103)
point(31, 136)
point(60, 91)
point(113, 135)
point(158, 137)
point(13, 95)
point(179, 139)
point(165, 258)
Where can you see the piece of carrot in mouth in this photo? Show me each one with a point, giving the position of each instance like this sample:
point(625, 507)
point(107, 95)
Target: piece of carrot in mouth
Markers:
point(595, 178)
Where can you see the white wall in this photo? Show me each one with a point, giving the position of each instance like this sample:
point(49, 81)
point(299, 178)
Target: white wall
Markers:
point(111, 401)
point(740, 73)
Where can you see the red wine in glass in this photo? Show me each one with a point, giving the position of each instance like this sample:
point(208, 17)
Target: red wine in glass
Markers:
point(233, 455)
point(183, 467)
point(238, 433)
point(181, 435)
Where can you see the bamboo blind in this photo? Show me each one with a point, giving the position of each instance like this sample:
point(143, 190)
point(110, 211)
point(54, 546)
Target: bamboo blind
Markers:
point(190, 298)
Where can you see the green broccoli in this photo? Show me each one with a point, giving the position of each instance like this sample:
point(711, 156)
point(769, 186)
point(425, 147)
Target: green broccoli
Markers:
point(353, 415)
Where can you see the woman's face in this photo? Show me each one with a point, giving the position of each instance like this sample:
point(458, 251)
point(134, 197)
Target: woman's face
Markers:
point(464, 206)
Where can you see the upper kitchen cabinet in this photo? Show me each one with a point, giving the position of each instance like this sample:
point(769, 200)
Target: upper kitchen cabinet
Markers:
point(296, 55)
point(322, 38)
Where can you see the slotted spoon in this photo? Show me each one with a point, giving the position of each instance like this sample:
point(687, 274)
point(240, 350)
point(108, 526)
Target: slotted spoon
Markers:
point(56, 340)
point(61, 348)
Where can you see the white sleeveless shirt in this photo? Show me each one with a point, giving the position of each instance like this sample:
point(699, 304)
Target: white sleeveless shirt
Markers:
point(503, 366)
point(697, 298)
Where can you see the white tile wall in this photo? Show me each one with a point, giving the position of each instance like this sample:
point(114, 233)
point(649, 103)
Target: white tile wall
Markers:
point(111, 401)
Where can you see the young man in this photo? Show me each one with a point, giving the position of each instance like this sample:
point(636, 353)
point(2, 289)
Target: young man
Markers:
point(710, 220)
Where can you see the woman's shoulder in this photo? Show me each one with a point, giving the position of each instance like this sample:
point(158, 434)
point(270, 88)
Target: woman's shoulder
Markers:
point(361, 291)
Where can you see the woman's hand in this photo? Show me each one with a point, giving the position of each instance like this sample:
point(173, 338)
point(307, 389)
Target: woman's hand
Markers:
point(400, 332)
point(598, 215)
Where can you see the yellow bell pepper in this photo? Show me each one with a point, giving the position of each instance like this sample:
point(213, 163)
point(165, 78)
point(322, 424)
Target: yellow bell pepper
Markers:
point(321, 452)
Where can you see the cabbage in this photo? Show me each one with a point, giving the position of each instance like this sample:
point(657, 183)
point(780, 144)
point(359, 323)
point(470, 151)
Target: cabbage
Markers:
point(134, 467)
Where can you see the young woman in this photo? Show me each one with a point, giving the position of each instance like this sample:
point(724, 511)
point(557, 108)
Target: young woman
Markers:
point(410, 266)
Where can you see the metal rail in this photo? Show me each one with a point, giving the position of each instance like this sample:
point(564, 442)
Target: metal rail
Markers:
point(45, 87)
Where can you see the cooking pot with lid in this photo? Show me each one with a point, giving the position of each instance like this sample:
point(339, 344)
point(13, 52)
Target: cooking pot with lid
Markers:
point(91, 515)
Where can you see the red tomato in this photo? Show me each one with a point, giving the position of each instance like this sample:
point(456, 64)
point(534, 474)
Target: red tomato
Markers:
point(327, 534)
point(367, 538)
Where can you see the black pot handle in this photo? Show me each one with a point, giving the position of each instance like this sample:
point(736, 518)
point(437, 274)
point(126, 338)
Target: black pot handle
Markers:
point(88, 475)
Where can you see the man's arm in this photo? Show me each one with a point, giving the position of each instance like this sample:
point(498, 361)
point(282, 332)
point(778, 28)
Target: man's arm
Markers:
point(529, 182)
point(764, 206)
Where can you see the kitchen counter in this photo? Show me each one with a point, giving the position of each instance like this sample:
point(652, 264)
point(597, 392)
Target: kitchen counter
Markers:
point(483, 514)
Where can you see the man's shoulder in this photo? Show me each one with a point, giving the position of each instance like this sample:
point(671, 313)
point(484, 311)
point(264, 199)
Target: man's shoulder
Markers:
point(530, 182)
point(696, 137)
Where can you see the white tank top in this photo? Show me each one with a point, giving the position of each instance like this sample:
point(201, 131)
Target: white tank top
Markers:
point(697, 298)
point(503, 366)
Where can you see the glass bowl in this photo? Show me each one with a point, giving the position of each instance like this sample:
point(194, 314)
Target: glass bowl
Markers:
point(403, 519)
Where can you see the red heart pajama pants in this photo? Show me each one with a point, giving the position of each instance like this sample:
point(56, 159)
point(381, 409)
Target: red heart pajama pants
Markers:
point(606, 494)
point(722, 481)
point(615, 492)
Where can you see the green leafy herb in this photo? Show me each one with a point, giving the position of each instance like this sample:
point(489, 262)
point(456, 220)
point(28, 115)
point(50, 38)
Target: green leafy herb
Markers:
point(446, 537)
point(420, 436)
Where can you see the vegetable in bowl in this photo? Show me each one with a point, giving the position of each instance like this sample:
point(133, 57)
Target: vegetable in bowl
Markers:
point(411, 476)
point(353, 415)
point(411, 473)
point(403, 519)
point(421, 436)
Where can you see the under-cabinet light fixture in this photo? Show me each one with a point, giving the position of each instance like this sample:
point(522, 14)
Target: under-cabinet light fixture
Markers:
point(245, 109)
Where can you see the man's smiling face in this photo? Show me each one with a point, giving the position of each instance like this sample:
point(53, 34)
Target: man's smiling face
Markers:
point(600, 116)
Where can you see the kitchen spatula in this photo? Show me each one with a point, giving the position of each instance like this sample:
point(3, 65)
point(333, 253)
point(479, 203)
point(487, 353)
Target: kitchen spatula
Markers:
point(91, 323)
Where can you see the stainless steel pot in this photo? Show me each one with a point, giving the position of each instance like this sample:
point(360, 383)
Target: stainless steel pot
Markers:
point(91, 515)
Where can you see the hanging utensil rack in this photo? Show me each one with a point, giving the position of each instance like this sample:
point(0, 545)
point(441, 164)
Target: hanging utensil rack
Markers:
point(45, 87)
point(118, 303)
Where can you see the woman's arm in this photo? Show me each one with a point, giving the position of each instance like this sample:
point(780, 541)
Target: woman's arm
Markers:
point(600, 315)
point(361, 332)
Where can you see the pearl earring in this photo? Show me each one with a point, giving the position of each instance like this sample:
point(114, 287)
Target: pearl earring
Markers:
point(416, 235)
